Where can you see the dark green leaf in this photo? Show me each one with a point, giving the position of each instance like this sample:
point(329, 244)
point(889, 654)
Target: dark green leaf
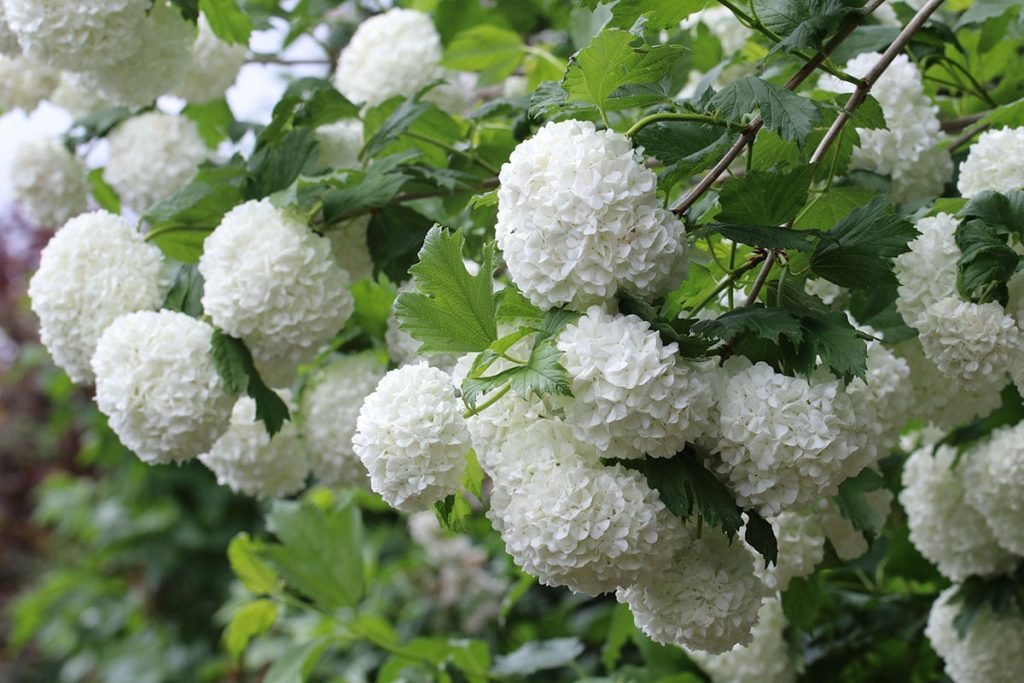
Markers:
point(804, 23)
point(234, 364)
point(976, 595)
point(538, 655)
point(986, 259)
point(671, 329)
point(395, 237)
point(186, 293)
point(1010, 412)
point(769, 237)
point(855, 507)
point(768, 197)
point(802, 601)
point(657, 14)
point(758, 533)
point(274, 167)
point(788, 114)
point(1003, 211)
point(326, 105)
point(766, 323)
point(404, 116)
point(684, 483)
point(361, 190)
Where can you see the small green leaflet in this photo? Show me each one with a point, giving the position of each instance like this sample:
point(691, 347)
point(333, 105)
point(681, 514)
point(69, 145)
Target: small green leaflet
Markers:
point(986, 260)
point(766, 323)
point(656, 14)
point(250, 620)
point(788, 114)
point(235, 366)
point(103, 193)
point(768, 197)
point(802, 601)
point(454, 511)
point(768, 236)
point(451, 311)
point(855, 507)
point(228, 22)
point(255, 573)
point(804, 23)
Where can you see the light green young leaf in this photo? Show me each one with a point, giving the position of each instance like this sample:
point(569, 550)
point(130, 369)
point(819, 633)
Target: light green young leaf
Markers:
point(227, 20)
point(657, 14)
point(538, 655)
point(297, 662)
point(250, 620)
point(255, 573)
point(492, 51)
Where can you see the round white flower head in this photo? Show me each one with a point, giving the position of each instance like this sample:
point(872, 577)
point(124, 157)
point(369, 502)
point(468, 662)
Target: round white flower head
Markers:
point(927, 272)
point(995, 162)
point(969, 342)
point(707, 600)
point(340, 143)
point(823, 289)
point(940, 401)
point(765, 660)
point(394, 53)
point(412, 438)
point(943, 527)
point(76, 35)
point(156, 381)
point(570, 521)
point(8, 41)
point(152, 156)
point(328, 411)
point(273, 282)
point(248, 460)
point(94, 270)
point(213, 66)
point(801, 541)
point(76, 98)
point(25, 83)
point(723, 24)
point(49, 182)
point(156, 67)
point(906, 148)
point(992, 651)
point(632, 396)
point(403, 348)
point(993, 477)
point(578, 218)
point(784, 440)
point(846, 540)
point(348, 244)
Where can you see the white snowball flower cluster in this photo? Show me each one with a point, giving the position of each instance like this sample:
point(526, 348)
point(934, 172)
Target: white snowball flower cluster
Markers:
point(995, 162)
point(846, 540)
point(578, 217)
point(273, 282)
point(49, 182)
point(76, 98)
point(570, 521)
point(156, 381)
point(68, 35)
point(784, 440)
point(152, 156)
point(943, 527)
point(8, 41)
point(95, 269)
point(328, 411)
point(992, 650)
point(941, 401)
point(394, 53)
point(633, 396)
point(906, 148)
point(412, 438)
point(348, 244)
point(707, 600)
point(213, 66)
point(340, 143)
point(766, 659)
point(927, 272)
point(970, 342)
point(993, 477)
point(248, 460)
point(25, 83)
point(801, 540)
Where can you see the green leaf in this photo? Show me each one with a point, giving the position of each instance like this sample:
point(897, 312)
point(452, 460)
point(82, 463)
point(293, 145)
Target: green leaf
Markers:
point(492, 51)
point(234, 364)
point(186, 293)
point(227, 21)
point(857, 252)
point(513, 307)
point(395, 236)
point(248, 621)
point(831, 337)
point(620, 631)
point(684, 483)
point(657, 14)
point(373, 302)
point(361, 190)
point(538, 655)
point(758, 533)
point(253, 571)
point(855, 507)
point(103, 193)
point(325, 105)
point(543, 375)
point(1003, 211)
point(765, 323)
point(451, 311)
point(296, 663)
point(768, 236)
point(671, 329)
point(214, 120)
point(400, 120)
point(768, 197)
point(452, 513)
point(672, 141)
point(321, 551)
point(826, 210)
point(802, 601)
point(976, 595)
point(788, 114)
point(985, 259)
point(275, 166)
point(804, 23)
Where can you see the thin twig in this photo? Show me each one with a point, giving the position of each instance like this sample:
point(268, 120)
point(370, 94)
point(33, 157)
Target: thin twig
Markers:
point(955, 125)
point(273, 59)
point(966, 136)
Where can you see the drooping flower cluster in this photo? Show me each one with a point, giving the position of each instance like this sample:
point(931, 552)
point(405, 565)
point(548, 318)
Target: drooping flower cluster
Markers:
point(49, 182)
point(25, 83)
point(994, 163)
point(993, 480)
point(992, 650)
point(766, 659)
point(212, 68)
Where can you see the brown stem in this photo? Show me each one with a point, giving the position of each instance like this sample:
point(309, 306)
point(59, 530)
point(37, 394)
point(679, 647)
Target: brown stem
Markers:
point(966, 136)
point(955, 125)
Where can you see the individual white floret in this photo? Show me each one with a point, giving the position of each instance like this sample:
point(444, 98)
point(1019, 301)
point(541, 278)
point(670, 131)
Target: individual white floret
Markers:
point(156, 67)
point(404, 348)
point(248, 460)
point(927, 272)
point(350, 249)
point(906, 148)
point(943, 527)
point(213, 66)
point(708, 600)
point(340, 143)
point(95, 269)
point(79, 34)
point(969, 342)
point(328, 410)
point(578, 218)
point(801, 540)
point(412, 438)
point(8, 41)
point(992, 650)
point(766, 659)
point(633, 397)
point(25, 83)
point(993, 477)
point(77, 98)
point(784, 440)
point(570, 521)
point(943, 402)
point(49, 182)
point(995, 162)
point(156, 382)
point(846, 540)
point(152, 156)
point(274, 283)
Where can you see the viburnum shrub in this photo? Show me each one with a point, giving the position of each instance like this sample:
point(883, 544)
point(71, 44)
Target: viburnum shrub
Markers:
point(686, 299)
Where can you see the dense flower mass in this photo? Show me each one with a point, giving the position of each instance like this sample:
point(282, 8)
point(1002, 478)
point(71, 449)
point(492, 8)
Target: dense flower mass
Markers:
point(212, 68)
point(927, 272)
point(8, 41)
point(801, 542)
point(273, 282)
point(76, 97)
point(328, 411)
point(156, 382)
point(992, 651)
point(994, 163)
point(970, 342)
point(412, 438)
point(993, 478)
point(578, 218)
point(25, 83)
point(152, 156)
point(766, 659)
point(340, 143)
point(940, 401)
point(248, 460)
point(50, 182)
point(80, 289)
